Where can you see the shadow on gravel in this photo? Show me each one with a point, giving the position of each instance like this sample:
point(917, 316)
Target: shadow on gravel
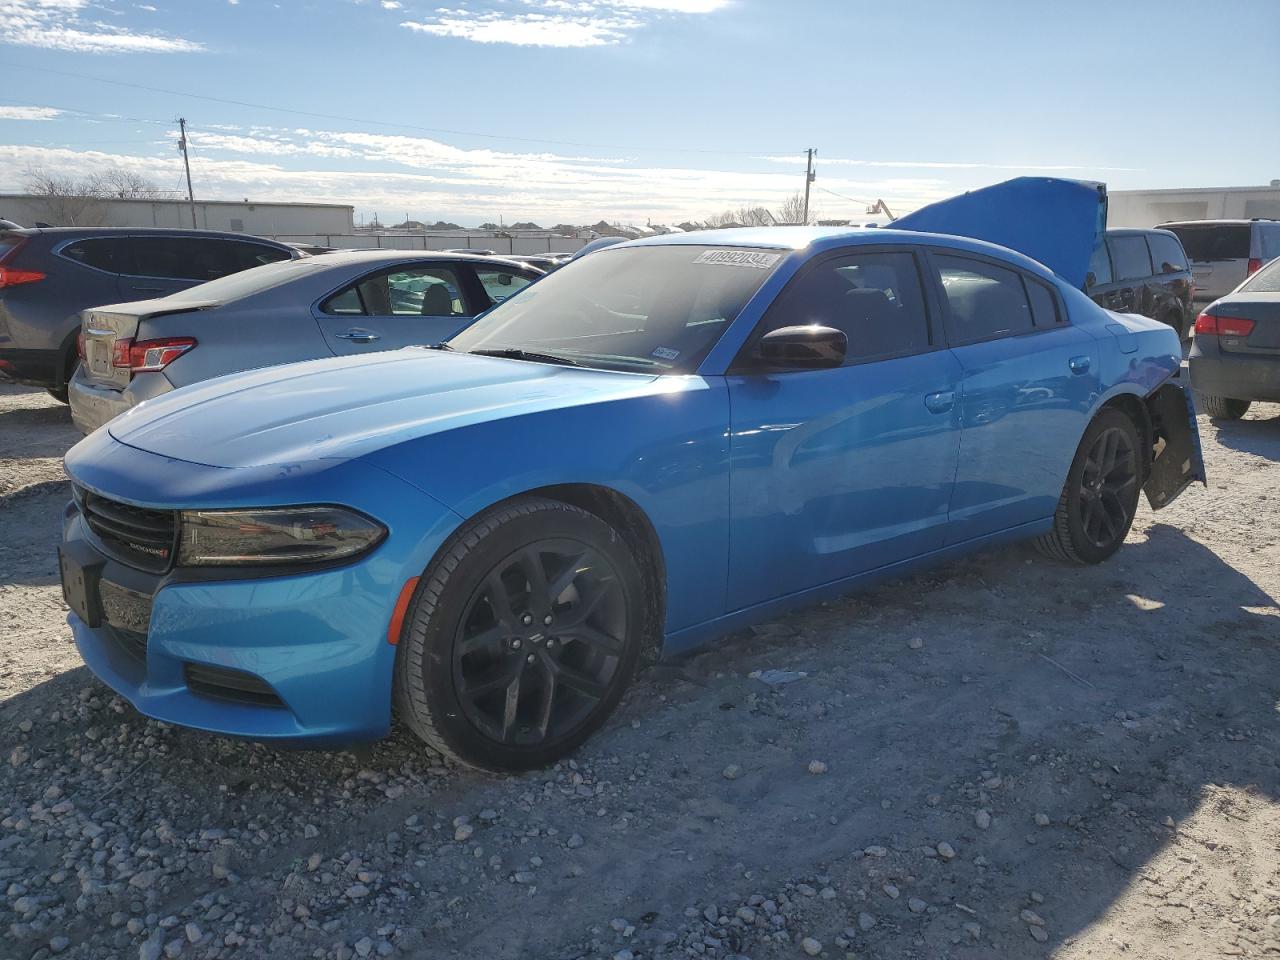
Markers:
point(1113, 698)
point(30, 528)
point(1255, 435)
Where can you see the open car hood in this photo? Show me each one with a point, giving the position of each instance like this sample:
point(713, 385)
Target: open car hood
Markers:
point(1055, 222)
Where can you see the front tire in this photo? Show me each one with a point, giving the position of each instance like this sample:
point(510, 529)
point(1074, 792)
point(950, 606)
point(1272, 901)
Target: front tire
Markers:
point(1100, 497)
point(522, 636)
point(1222, 408)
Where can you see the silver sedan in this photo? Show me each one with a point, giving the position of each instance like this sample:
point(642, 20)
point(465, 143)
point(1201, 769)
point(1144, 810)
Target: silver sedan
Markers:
point(341, 303)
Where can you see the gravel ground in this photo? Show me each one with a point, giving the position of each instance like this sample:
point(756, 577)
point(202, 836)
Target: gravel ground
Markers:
point(1005, 757)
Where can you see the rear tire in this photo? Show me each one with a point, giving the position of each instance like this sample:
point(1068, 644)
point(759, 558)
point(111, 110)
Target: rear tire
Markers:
point(1222, 408)
point(522, 636)
point(1100, 497)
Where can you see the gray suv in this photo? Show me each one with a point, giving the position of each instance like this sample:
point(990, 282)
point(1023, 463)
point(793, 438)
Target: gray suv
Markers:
point(1224, 253)
point(48, 276)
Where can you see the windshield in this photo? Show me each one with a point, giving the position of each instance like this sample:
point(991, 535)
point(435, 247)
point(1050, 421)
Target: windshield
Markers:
point(652, 308)
point(234, 286)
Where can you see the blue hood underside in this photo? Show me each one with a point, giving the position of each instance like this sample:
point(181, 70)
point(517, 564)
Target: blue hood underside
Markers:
point(1056, 222)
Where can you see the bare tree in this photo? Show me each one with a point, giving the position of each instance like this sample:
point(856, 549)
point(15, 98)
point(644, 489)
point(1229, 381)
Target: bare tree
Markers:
point(756, 216)
point(121, 183)
point(66, 201)
point(792, 209)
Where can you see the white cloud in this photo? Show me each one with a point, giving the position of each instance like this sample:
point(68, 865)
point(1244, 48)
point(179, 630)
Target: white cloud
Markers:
point(529, 29)
point(567, 23)
point(391, 4)
point(432, 178)
point(940, 164)
point(59, 25)
point(28, 113)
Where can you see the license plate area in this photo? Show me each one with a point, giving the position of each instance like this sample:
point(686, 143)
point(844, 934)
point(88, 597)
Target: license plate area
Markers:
point(81, 572)
point(98, 357)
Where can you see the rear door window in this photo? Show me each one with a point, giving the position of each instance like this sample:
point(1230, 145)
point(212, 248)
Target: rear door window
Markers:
point(1166, 254)
point(183, 258)
point(1218, 241)
point(500, 284)
point(1044, 305)
point(986, 301)
point(102, 253)
point(1099, 266)
point(1129, 257)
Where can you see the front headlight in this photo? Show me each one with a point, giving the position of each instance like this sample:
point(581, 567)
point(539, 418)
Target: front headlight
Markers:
point(275, 536)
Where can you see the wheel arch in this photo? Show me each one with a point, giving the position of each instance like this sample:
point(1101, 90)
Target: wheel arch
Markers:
point(1134, 406)
point(634, 526)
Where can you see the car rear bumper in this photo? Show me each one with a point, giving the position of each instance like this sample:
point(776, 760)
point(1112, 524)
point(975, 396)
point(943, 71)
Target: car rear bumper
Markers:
point(93, 404)
point(36, 367)
point(1235, 376)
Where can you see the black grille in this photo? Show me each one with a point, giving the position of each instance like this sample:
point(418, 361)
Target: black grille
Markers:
point(142, 538)
point(228, 684)
point(132, 643)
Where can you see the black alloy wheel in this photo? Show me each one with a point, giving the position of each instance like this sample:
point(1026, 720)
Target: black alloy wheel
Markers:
point(522, 636)
point(1100, 496)
point(540, 642)
point(1110, 476)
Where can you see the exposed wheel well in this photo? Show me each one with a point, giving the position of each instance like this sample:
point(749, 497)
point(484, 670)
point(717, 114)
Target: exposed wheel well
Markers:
point(1137, 411)
point(633, 525)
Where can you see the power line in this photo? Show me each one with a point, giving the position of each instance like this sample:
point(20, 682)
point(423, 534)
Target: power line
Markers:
point(384, 123)
point(866, 203)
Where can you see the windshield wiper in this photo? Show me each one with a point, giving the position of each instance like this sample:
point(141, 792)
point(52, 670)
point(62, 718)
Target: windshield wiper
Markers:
point(515, 353)
point(438, 346)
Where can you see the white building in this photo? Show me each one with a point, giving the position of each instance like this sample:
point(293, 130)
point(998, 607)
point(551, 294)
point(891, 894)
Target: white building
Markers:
point(237, 216)
point(1146, 208)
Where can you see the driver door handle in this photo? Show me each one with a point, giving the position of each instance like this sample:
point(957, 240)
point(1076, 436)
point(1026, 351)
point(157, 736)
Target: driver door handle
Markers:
point(356, 335)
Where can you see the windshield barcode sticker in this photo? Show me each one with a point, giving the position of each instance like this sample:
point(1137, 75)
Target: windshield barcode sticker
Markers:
point(739, 258)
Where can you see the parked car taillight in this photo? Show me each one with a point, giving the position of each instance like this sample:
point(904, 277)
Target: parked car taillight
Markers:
point(148, 356)
point(1255, 264)
point(1213, 325)
point(11, 277)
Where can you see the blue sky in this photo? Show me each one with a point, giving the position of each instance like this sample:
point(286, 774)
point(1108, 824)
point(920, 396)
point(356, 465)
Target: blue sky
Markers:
point(631, 110)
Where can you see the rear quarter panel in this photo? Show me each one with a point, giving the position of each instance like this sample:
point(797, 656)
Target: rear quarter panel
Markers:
point(239, 336)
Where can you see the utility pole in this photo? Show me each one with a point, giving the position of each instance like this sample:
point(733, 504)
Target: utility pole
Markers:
point(808, 179)
point(186, 162)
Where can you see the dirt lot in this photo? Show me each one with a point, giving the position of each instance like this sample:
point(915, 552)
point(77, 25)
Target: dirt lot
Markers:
point(1003, 758)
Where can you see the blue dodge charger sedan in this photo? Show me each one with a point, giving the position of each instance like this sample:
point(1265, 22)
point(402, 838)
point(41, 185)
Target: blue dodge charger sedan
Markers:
point(652, 446)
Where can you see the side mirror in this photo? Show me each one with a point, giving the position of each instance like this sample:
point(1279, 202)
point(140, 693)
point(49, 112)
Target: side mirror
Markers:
point(812, 347)
point(1090, 280)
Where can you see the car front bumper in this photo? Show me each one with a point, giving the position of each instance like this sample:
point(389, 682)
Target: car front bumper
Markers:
point(303, 657)
point(93, 404)
point(1237, 376)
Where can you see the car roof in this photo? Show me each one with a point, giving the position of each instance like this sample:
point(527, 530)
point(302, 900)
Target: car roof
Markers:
point(1138, 232)
point(817, 240)
point(340, 257)
point(1219, 222)
point(144, 232)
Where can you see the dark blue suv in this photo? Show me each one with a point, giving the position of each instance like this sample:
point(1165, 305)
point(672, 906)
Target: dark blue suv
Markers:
point(47, 276)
